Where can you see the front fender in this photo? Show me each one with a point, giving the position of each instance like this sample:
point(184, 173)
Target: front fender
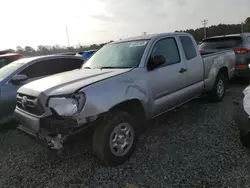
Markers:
point(102, 96)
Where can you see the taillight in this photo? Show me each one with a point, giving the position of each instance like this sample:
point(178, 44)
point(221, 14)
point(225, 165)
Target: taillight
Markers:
point(241, 50)
point(202, 52)
point(241, 66)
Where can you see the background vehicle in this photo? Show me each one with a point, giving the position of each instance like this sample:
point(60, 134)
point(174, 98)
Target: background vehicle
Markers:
point(86, 54)
point(25, 70)
point(7, 58)
point(121, 86)
point(241, 117)
point(240, 43)
point(67, 53)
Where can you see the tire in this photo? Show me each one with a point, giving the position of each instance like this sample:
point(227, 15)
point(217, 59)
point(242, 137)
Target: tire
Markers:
point(245, 138)
point(106, 137)
point(219, 89)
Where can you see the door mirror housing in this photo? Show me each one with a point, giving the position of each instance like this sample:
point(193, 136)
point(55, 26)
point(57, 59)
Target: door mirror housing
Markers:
point(156, 61)
point(17, 79)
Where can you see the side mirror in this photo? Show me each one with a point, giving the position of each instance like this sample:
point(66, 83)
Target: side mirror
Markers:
point(156, 61)
point(17, 79)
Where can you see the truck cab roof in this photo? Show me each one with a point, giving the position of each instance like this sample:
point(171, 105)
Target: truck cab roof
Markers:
point(150, 36)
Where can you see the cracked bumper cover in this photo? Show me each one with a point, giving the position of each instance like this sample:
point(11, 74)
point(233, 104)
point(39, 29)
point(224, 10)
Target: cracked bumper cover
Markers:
point(51, 132)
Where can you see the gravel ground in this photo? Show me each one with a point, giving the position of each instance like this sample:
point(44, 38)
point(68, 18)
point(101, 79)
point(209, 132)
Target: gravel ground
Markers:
point(196, 145)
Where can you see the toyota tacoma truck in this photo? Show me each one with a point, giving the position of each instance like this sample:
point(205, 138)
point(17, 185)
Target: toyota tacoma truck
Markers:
point(118, 89)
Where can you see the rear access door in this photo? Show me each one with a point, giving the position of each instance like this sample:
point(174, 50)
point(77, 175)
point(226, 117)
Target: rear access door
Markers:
point(195, 66)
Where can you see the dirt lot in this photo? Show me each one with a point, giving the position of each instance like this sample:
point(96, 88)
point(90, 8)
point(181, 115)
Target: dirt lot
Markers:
point(194, 146)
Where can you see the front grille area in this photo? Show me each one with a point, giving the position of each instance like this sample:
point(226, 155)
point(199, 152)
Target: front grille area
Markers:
point(29, 104)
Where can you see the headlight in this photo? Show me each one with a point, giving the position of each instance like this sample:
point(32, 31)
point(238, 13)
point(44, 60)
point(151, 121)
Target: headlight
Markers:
point(68, 106)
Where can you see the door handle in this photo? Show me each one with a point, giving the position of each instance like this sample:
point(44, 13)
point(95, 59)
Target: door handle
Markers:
point(182, 70)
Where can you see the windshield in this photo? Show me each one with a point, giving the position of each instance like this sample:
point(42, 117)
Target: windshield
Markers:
point(221, 42)
point(118, 55)
point(9, 69)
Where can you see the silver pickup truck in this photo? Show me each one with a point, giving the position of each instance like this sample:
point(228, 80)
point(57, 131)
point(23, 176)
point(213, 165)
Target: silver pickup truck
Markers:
point(121, 86)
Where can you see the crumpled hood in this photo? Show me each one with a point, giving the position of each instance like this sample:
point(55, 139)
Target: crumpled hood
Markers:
point(68, 82)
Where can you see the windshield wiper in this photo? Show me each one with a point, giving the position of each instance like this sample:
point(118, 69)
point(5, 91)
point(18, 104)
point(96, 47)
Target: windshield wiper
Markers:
point(86, 67)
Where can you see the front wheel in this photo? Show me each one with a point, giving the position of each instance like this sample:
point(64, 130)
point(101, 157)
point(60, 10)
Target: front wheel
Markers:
point(219, 89)
point(114, 141)
point(245, 138)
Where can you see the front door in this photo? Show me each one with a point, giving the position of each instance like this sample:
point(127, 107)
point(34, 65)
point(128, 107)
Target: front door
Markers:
point(167, 81)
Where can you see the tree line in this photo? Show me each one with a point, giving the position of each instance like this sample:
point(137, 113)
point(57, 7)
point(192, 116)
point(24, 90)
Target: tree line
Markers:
point(198, 34)
point(47, 50)
point(221, 29)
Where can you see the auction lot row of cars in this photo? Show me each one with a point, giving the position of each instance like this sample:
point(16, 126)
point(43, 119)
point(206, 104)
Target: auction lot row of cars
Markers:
point(118, 89)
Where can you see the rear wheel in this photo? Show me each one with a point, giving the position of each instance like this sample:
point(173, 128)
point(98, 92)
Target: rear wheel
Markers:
point(245, 138)
point(219, 89)
point(115, 140)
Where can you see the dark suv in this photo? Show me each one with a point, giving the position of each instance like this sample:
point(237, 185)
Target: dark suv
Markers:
point(240, 43)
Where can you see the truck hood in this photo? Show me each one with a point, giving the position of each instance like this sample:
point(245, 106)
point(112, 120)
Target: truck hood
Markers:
point(68, 82)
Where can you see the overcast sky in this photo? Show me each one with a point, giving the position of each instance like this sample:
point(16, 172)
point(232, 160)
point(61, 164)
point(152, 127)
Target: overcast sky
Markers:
point(35, 22)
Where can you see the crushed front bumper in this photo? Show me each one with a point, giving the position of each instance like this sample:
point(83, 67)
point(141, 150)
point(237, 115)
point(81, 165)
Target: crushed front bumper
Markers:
point(51, 132)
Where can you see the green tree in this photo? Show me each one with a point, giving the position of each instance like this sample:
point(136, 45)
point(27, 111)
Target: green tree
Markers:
point(29, 49)
point(247, 24)
point(19, 49)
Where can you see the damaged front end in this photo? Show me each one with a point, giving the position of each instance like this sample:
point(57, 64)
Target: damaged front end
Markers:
point(55, 132)
point(63, 123)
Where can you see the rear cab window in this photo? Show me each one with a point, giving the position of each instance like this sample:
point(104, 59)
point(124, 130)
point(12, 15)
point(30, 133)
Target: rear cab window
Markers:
point(221, 43)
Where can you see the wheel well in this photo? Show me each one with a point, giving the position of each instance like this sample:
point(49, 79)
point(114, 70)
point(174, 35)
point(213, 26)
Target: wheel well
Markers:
point(224, 71)
point(133, 107)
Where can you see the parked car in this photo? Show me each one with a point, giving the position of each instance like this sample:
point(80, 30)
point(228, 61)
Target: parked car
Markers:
point(86, 54)
point(24, 70)
point(67, 53)
point(241, 117)
point(240, 43)
point(118, 89)
point(7, 58)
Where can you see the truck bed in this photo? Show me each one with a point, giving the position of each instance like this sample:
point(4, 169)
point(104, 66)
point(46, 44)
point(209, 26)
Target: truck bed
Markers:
point(215, 61)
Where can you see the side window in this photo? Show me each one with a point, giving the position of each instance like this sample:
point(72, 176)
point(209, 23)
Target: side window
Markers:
point(188, 47)
point(71, 64)
point(52, 66)
point(169, 49)
point(38, 69)
point(64, 64)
